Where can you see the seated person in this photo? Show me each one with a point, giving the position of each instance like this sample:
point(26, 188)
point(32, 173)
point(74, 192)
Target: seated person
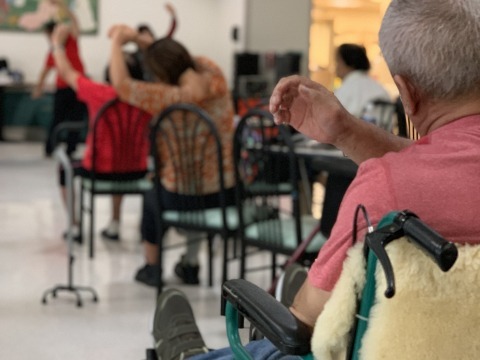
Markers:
point(146, 32)
point(436, 177)
point(179, 78)
point(358, 88)
point(94, 95)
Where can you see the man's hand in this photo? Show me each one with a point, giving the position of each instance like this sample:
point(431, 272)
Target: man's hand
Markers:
point(122, 34)
point(170, 9)
point(310, 108)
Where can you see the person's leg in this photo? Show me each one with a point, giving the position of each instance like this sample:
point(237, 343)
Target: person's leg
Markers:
point(177, 336)
point(188, 267)
point(112, 231)
point(76, 111)
point(151, 216)
point(77, 170)
point(258, 350)
point(149, 273)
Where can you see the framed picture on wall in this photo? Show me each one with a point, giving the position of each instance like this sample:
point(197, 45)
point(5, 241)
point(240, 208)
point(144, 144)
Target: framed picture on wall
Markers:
point(31, 15)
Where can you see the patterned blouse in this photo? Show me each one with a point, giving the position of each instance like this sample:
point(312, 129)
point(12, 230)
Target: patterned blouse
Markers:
point(216, 101)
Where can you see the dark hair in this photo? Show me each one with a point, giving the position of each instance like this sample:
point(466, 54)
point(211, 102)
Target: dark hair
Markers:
point(49, 26)
point(354, 56)
point(167, 59)
point(145, 28)
point(133, 66)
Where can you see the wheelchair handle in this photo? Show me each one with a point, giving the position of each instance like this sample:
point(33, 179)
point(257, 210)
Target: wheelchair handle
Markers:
point(405, 223)
point(443, 252)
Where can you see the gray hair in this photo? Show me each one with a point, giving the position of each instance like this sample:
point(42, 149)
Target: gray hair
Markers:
point(435, 44)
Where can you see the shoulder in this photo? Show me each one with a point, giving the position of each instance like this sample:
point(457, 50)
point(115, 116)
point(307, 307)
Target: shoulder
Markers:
point(205, 64)
point(372, 187)
point(89, 90)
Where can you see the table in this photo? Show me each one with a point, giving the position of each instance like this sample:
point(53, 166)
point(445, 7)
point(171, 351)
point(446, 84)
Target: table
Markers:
point(22, 110)
point(341, 172)
point(325, 157)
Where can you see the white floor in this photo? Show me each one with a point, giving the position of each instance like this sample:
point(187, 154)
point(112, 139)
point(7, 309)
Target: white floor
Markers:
point(33, 258)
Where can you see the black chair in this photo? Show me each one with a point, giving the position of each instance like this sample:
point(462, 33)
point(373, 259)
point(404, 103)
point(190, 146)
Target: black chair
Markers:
point(118, 157)
point(268, 194)
point(382, 113)
point(405, 126)
point(187, 147)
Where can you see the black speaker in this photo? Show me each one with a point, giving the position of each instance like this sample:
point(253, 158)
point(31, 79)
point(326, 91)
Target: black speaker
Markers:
point(287, 64)
point(3, 63)
point(246, 64)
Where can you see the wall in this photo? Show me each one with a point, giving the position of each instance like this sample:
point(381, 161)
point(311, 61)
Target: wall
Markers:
point(204, 26)
point(279, 26)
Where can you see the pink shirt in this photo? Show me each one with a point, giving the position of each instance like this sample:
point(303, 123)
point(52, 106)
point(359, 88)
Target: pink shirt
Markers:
point(438, 178)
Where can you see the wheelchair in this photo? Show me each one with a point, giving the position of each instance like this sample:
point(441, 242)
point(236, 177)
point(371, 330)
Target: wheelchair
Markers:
point(374, 312)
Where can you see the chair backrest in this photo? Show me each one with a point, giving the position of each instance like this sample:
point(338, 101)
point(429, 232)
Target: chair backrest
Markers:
point(119, 143)
point(381, 112)
point(266, 173)
point(433, 315)
point(405, 126)
point(188, 156)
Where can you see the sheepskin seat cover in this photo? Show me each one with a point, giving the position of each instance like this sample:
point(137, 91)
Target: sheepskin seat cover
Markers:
point(433, 315)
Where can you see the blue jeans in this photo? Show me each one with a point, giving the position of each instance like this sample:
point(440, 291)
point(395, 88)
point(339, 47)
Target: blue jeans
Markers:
point(259, 350)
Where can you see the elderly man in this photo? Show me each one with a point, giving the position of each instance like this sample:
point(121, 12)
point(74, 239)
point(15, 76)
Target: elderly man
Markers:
point(431, 48)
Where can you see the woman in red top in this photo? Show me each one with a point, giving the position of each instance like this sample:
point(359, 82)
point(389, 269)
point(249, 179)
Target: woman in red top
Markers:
point(66, 105)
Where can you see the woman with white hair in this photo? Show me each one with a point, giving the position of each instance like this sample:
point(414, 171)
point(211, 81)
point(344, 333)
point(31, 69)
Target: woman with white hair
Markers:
point(432, 50)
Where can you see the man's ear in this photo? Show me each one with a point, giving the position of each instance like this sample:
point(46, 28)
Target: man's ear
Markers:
point(408, 94)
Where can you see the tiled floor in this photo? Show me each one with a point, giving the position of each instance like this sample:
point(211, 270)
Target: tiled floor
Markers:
point(33, 258)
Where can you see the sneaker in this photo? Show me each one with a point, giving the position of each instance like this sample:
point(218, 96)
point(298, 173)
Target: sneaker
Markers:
point(293, 279)
point(188, 273)
point(108, 235)
point(175, 332)
point(75, 235)
point(149, 275)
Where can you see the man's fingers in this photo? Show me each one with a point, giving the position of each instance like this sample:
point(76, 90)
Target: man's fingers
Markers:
point(282, 116)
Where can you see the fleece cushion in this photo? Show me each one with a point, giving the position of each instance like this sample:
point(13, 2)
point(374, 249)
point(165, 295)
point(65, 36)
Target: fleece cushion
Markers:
point(433, 315)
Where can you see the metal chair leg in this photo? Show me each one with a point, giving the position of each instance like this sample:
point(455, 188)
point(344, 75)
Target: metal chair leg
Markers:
point(210, 238)
point(82, 210)
point(92, 224)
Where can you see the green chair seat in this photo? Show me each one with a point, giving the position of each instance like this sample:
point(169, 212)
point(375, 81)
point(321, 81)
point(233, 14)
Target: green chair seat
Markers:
point(283, 235)
point(269, 188)
point(211, 218)
point(109, 186)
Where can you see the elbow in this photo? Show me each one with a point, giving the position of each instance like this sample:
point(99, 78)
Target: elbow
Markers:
point(120, 89)
point(116, 81)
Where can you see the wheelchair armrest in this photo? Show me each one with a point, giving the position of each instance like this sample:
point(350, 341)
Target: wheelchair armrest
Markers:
point(269, 316)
